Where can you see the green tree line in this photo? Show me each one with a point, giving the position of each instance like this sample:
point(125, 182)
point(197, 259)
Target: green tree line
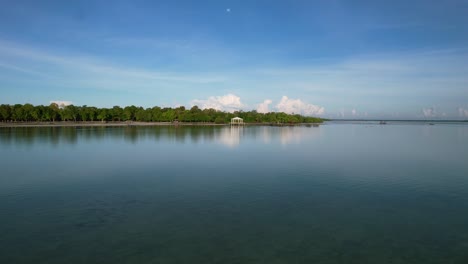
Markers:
point(54, 113)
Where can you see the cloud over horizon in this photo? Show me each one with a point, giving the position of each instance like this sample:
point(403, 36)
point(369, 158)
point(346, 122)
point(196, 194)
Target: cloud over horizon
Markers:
point(101, 56)
point(232, 103)
point(462, 112)
point(371, 79)
point(264, 107)
point(297, 106)
point(61, 104)
point(228, 102)
point(429, 112)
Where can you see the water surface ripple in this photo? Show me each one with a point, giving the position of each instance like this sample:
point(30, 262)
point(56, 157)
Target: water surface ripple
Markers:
point(339, 193)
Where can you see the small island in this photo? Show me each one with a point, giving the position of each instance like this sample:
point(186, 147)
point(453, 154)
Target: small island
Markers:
point(55, 115)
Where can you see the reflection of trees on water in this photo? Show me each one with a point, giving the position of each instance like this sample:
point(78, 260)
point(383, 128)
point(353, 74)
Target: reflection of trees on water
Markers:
point(228, 136)
point(73, 135)
point(30, 135)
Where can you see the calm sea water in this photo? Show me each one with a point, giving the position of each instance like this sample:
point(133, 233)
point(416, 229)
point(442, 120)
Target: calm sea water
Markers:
point(338, 193)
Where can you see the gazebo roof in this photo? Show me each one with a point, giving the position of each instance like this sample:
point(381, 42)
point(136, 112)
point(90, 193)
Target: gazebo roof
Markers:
point(237, 118)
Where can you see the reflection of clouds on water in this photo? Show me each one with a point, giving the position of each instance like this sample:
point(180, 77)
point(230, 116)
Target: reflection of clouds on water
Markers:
point(295, 135)
point(230, 137)
point(266, 134)
point(289, 135)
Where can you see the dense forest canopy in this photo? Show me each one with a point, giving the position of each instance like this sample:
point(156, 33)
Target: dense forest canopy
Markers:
point(53, 113)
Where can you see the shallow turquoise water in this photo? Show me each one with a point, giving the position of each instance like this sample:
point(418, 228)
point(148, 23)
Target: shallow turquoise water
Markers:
point(339, 193)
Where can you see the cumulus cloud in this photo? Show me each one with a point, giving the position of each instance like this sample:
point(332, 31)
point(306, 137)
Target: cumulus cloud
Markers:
point(228, 102)
point(429, 112)
point(61, 104)
point(263, 107)
point(298, 107)
point(462, 112)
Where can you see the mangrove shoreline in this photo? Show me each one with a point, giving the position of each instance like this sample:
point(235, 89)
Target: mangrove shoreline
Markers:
point(135, 123)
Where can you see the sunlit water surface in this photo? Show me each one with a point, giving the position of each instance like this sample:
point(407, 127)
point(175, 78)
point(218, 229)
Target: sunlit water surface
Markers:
point(338, 193)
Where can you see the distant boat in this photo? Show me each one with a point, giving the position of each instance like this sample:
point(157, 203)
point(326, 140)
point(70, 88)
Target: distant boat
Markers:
point(383, 122)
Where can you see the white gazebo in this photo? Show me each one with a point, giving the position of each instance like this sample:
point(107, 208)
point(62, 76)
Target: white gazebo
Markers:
point(237, 121)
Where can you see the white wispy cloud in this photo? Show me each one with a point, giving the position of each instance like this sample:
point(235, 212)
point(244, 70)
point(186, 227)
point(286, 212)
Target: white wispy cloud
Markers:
point(297, 106)
point(371, 82)
point(228, 102)
point(264, 107)
point(192, 50)
point(92, 71)
point(21, 69)
point(366, 79)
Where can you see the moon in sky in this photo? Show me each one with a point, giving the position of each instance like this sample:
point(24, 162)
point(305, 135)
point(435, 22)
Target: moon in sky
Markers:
point(228, 10)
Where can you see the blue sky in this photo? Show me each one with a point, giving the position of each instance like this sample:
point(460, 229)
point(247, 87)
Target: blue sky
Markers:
point(351, 59)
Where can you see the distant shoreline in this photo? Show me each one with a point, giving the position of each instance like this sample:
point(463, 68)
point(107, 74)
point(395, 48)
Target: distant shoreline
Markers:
point(131, 124)
point(99, 124)
point(398, 120)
